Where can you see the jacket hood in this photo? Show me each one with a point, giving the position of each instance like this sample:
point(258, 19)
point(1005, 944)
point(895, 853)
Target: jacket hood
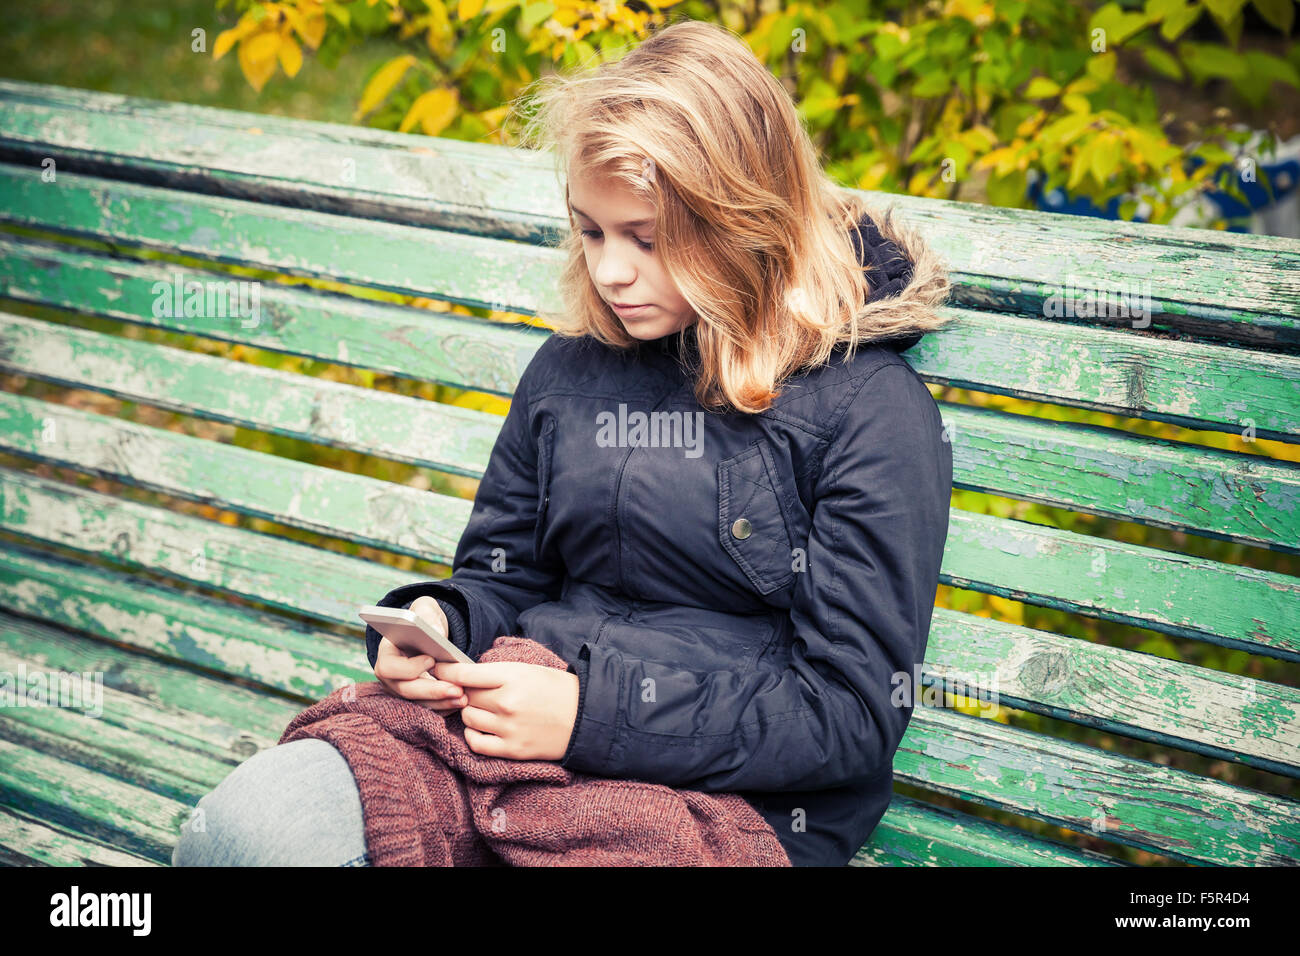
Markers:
point(908, 280)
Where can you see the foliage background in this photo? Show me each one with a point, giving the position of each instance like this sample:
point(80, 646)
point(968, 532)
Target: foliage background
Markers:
point(955, 99)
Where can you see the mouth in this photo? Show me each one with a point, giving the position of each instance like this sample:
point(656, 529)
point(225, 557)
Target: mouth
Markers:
point(630, 311)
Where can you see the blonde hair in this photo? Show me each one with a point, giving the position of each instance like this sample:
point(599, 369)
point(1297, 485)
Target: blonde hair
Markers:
point(748, 226)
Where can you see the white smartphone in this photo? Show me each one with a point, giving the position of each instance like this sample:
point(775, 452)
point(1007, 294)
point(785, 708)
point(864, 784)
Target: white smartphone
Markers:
point(413, 634)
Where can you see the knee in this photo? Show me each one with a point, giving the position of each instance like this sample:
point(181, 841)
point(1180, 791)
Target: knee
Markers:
point(286, 805)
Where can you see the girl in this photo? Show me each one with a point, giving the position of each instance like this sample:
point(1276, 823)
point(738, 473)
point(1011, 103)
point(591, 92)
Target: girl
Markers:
point(720, 494)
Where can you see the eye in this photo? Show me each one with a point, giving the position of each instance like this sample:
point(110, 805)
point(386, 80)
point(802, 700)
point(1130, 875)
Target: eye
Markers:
point(595, 234)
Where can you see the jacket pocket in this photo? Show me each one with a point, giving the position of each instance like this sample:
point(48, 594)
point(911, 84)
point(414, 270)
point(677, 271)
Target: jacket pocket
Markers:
point(545, 448)
point(751, 521)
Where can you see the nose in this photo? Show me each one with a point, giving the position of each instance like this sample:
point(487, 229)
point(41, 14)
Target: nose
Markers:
point(614, 267)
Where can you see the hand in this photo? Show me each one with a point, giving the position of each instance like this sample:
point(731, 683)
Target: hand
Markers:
point(516, 710)
point(409, 677)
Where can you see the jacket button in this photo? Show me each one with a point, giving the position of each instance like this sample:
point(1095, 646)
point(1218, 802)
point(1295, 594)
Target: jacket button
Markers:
point(741, 528)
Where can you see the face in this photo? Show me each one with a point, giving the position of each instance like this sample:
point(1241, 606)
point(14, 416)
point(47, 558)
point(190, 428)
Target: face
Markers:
point(618, 239)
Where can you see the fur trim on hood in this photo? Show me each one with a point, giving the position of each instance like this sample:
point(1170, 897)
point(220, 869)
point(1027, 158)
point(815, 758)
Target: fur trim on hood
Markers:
point(909, 281)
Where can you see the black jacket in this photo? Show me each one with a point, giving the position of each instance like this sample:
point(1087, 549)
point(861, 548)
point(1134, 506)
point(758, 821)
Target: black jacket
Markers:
point(736, 611)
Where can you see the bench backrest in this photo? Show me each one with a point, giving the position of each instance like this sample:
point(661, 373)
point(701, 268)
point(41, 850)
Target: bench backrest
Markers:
point(244, 197)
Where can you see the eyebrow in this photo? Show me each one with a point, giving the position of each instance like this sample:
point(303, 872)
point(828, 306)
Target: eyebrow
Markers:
point(630, 223)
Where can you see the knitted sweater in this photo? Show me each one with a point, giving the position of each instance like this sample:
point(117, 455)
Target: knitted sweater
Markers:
point(429, 800)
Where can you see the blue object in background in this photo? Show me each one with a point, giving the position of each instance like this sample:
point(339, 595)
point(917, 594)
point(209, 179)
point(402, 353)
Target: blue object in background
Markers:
point(1275, 214)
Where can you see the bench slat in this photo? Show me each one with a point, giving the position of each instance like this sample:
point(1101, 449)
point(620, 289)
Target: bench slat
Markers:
point(1181, 595)
point(1061, 770)
point(912, 833)
point(167, 749)
point(1184, 383)
point(417, 343)
point(274, 651)
point(28, 841)
point(402, 259)
point(85, 801)
point(1228, 495)
point(432, 434)
point(209, 715)
point(1115, 689)
point(1146, 805)
point(1243, 287)
point(1106, 471)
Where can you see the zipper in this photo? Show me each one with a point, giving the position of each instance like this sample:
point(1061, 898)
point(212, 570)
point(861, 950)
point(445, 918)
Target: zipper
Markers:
point(618, 496)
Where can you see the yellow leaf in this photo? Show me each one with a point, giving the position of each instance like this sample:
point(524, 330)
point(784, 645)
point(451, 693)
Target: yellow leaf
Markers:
point(261, 47)
point(433, 110)
point(257, 72)
point(469, 9)
point(387, 77)
point(1040, 87)
point(227, 38)
point(309, 24)
point(290, 56)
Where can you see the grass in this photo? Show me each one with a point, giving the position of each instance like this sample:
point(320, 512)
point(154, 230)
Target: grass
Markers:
point(144, 49)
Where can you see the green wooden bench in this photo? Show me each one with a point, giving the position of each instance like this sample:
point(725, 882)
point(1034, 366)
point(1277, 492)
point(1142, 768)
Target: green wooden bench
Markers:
point(210, 637)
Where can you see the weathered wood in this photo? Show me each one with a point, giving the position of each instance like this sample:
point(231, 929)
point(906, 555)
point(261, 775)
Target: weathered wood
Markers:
point(912, 833)
point(1226, 604)
point(1224, 388)
point(403, 259)
point(1132, 801)
point(416, 343)
point(276, 652)
point(85, 801)
point(1242, 287)
point(259, 191)
point(457, 440)
point(1123, 691)
point(1110, 688)
point(28, 841)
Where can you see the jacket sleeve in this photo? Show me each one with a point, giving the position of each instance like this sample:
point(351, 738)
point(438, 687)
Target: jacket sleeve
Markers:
point(860, 613)
point(494, 576)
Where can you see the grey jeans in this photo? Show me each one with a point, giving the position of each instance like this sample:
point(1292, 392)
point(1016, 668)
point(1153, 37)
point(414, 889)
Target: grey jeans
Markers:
point(294, 804)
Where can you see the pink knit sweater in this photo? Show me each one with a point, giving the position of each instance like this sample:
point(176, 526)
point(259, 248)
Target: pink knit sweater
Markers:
point(429, 800)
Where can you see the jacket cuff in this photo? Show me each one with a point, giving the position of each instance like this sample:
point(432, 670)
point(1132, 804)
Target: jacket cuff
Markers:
point(452, 602)
point(600, 695)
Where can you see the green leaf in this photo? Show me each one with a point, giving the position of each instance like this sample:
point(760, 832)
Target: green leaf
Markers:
point(1119, 26)
point(1162, 61)
point(1280, 13)
point(932, 83)
point(1272, 67)
point(1105, 158)
point(1101, 66)
point(533, 14)
point(1081, 164)
point(1040, 88)
point(1208, 59)
point(1225, 10)
point(1177, 18)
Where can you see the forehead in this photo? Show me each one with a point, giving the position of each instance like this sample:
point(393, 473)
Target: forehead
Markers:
point(609, 200)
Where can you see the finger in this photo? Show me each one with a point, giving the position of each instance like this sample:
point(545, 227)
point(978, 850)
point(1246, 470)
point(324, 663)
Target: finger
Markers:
point(393, 663)
point(422, 688)
point(473, 675)
point(442, 706)
point(486, 744)
point(483, 721)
